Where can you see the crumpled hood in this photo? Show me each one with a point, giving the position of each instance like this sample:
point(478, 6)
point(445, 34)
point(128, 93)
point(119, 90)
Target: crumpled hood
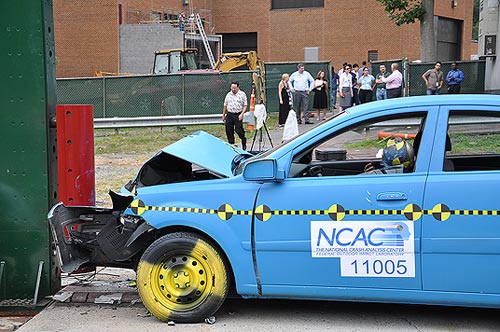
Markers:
point(205, 150)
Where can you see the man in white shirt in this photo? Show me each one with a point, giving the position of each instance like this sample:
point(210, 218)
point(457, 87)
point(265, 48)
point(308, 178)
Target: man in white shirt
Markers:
point(235, 106)
point(301, 83)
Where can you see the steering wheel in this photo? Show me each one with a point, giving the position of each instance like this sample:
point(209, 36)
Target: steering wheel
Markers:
point(315, 170)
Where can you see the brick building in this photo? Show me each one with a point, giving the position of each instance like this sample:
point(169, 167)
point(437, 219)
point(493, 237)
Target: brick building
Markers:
point(87, 33)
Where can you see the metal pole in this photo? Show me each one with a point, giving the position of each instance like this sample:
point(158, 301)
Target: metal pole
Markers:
point(2, 266)
point(103, 97)
point(183, 94)
point(38, 278)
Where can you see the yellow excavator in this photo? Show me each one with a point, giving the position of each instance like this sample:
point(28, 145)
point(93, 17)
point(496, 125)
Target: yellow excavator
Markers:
point(245, 61)
point(184, 59)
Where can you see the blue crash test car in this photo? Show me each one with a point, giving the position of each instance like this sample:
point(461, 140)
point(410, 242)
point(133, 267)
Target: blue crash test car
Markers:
point(393, 201)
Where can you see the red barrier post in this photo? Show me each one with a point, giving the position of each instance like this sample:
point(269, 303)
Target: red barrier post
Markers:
point(75, 150)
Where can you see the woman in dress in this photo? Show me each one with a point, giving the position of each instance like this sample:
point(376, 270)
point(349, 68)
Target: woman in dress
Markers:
point(320, 102)
point(285, 100)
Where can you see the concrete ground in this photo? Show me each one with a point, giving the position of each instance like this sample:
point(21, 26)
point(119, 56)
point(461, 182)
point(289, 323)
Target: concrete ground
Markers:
point(244, 315)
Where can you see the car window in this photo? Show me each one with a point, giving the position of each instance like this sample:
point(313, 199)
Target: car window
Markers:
point(359, 149)
point(473, 141)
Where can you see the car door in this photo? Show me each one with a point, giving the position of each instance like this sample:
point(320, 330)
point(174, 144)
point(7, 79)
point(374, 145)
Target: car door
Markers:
point(340, 229)
point(461, 234)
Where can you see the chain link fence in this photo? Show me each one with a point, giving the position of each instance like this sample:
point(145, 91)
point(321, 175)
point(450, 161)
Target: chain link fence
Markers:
point(196, 94)
point(161, 95)
point(474, 72)
point(274, 70)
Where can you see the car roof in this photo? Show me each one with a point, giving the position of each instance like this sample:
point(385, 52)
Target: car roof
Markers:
point(434, 100)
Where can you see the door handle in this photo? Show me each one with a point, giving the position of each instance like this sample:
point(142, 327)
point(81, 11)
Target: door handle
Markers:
point(392, 196)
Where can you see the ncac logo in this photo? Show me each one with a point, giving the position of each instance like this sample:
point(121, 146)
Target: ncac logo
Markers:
point(392, 235)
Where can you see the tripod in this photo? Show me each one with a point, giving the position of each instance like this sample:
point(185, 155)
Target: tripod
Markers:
point(261, 138)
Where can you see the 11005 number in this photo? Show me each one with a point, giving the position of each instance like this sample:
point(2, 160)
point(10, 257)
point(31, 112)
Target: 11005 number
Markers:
point(379, 267)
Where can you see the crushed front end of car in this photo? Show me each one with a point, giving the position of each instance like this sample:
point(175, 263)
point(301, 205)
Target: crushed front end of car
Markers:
point(85, 237)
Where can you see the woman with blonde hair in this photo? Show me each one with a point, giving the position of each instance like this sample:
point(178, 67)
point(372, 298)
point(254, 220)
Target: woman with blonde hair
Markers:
point(285, 99)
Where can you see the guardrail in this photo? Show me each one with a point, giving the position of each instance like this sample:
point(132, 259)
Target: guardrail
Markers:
point(157, 121)
point(188, 120)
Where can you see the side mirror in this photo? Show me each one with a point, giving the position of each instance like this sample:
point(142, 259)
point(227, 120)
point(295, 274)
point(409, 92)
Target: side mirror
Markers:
point(263, 170)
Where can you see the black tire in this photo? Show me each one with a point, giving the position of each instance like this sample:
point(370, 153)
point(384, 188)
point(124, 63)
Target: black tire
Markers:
point(183, 278)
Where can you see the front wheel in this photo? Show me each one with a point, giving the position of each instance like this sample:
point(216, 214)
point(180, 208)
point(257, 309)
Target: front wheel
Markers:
point(182, 277)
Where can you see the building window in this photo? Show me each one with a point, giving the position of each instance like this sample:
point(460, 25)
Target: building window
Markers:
point(239, 42)
point(156, 16)
point(290, 4)
point(372, 55)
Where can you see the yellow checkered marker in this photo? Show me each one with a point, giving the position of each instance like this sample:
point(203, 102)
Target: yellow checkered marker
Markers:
point(263, 212)
point(441, 212)
point(336, 212)
point(138, 207)
point(412, 212)
point(225, 212)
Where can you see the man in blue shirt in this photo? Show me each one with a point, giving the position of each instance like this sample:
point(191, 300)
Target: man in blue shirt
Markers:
point(334, 85)
point(454, 78)
point(301, 83)
point(381, 92)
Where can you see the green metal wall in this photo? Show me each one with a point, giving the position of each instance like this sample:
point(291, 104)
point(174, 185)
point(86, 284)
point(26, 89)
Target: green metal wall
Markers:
point(27, 103)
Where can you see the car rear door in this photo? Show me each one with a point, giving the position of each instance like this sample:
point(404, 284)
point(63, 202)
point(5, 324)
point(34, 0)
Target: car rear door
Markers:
point(461, 231)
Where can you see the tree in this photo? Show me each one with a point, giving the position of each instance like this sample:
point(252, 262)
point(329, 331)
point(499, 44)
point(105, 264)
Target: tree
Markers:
point(410, 11)
point(475, 20)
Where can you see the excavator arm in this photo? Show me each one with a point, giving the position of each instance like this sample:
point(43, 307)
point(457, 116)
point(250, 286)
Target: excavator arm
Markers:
point(245, 61)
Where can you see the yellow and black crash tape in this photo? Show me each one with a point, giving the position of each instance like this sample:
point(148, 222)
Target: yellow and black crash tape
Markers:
point(336, 212)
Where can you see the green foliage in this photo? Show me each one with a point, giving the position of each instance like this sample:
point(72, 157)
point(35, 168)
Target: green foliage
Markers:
point(364, 145)
point(481, 143)
point(404, 11)
point(475, 20)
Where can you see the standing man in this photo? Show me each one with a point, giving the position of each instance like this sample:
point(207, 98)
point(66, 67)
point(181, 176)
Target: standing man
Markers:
point(380, 92)
point(355, 88)
point(301, 83)
point(334, 85)
point(454, 78)
point(393, 82)
point(235, 105)
point(433, 79)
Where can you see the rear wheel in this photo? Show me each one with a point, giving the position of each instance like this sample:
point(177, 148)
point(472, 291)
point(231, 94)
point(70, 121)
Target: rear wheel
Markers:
point(182, 277)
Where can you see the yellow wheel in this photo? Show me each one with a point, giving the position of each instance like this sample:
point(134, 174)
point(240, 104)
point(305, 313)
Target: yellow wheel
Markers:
point(182, 277)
